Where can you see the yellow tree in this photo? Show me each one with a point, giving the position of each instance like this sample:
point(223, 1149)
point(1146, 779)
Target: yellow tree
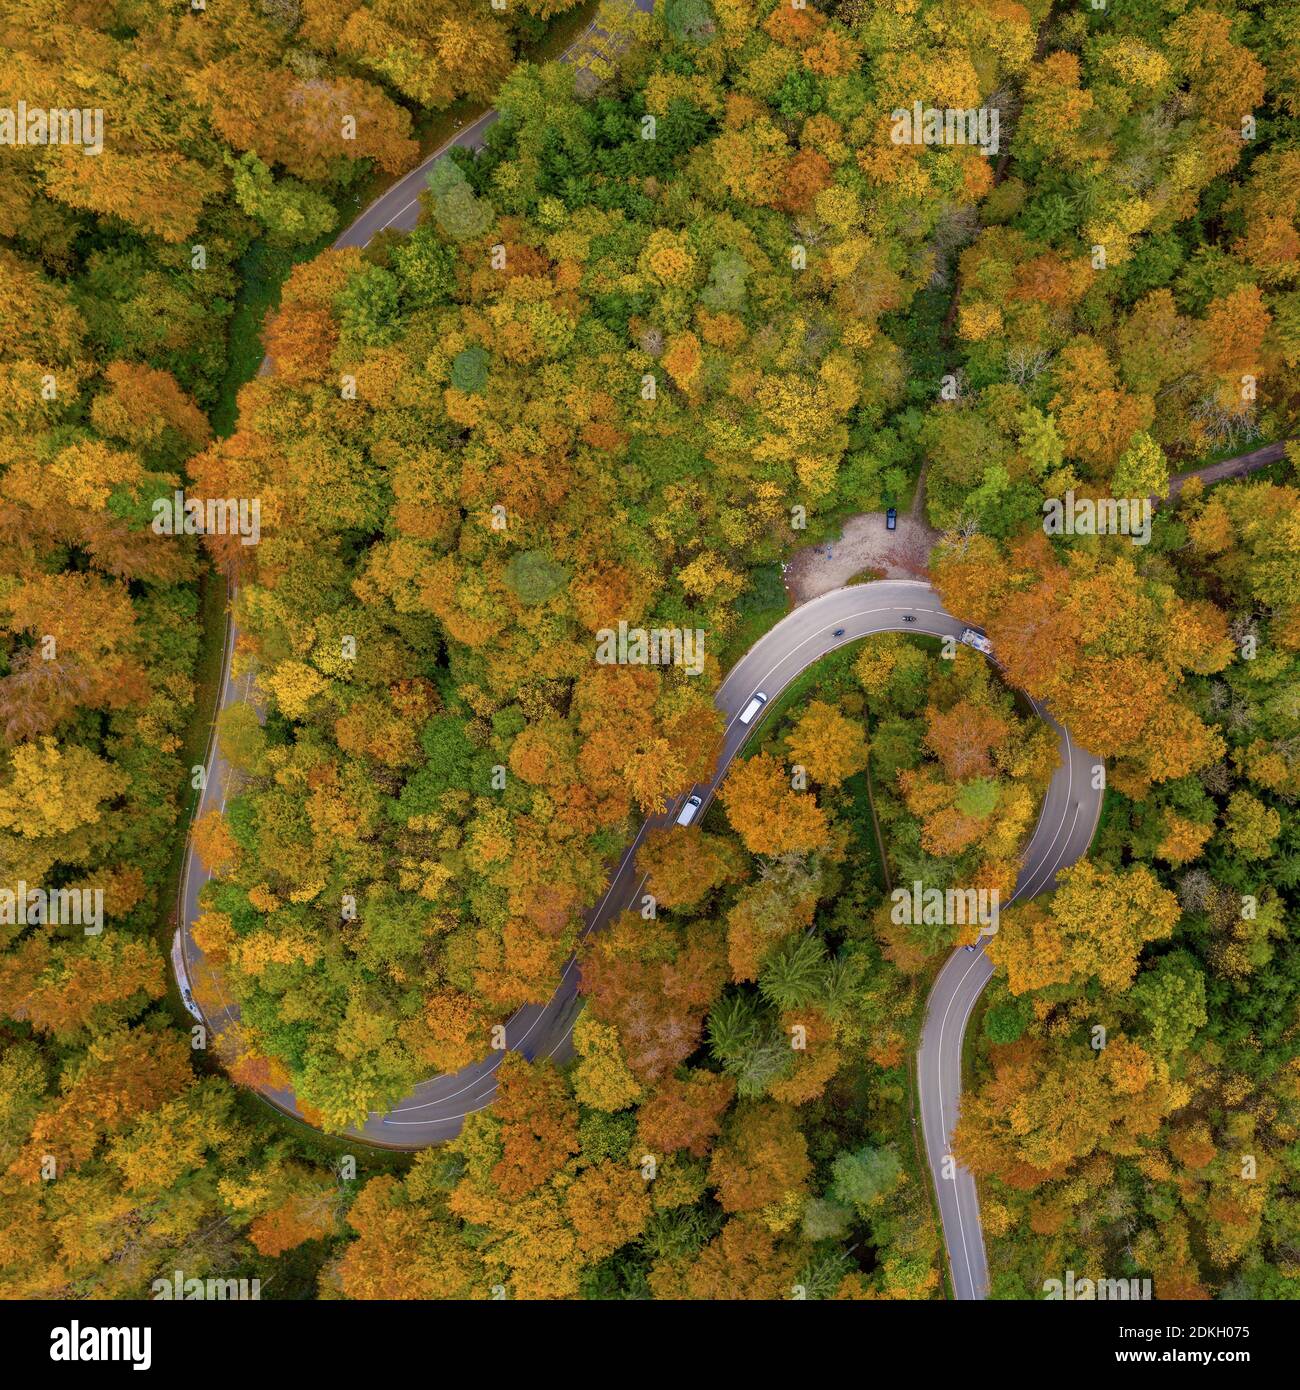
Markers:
point(828, 744)
point(769, 816)
point(1095, 925)
point(608, 1205)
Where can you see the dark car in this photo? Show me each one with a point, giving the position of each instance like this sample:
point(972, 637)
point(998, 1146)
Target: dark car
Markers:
point(891, 519)
point(839, 632)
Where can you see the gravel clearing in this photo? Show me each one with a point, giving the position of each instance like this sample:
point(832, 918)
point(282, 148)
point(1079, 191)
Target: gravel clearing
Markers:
point(864, 544)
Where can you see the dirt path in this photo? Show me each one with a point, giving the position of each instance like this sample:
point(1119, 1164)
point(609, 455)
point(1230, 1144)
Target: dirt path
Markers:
point(880, 839)
point(1237, 467)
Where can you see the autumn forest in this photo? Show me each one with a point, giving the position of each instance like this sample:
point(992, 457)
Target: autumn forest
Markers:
point(391, 970)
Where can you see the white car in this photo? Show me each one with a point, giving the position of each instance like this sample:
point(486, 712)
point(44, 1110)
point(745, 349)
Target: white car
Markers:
point(756, 703)
point(977, 640)
point(687, 814)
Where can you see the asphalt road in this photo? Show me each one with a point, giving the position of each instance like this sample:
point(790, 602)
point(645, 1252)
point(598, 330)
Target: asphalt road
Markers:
point(435, 1108)
point(398, 208)
point(1062, 836)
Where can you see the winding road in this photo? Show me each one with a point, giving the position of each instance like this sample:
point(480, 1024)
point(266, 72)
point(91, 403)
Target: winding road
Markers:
point(435, 1108)
point(396, 209)
point(1064, 831)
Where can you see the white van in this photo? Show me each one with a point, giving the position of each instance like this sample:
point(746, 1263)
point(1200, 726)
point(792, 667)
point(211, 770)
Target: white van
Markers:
point(751, 709)
point(978, 641)
point(687, 814)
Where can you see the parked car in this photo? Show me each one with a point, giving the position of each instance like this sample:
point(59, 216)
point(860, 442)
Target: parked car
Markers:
point(188, 1000)
point(687, 814)
point(751, 709)
point(891, 519)
point(975, 639)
